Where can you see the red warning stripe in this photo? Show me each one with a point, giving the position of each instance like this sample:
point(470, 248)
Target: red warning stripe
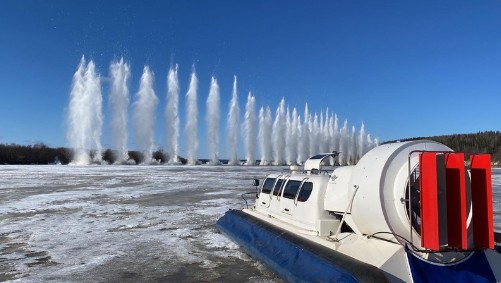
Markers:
point(481, 197)
point(456, 200)
point(429, 201)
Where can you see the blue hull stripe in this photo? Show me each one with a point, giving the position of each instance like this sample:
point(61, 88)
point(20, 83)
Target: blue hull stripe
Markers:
point(291, 257)
point(475, 268)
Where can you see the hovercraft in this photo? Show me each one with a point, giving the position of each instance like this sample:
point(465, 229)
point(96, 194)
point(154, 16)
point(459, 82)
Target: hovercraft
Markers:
point(406, 212)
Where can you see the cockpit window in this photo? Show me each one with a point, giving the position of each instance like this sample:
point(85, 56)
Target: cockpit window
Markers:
point(319, 156)
point(305, 192)
point(268, 185)
point(278, 186)
point(291, 189)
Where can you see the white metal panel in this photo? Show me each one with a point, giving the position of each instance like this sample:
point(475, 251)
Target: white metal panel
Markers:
point(316, 162)
point(337, 196)
point(326, 227)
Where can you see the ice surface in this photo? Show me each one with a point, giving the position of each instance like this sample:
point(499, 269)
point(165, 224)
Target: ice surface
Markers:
point(122, 223)
point(129, 223)
point(496, 197)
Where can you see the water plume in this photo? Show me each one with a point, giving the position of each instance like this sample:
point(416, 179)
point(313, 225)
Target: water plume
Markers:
point(343, 144)
point(304, 147)
point(352, 149)
point(212, 118)
point(279, 134)
point(93, 89)
point(85, 118)
point(264, 135)
point(250, 130)
point(119, 102)
point(332, 137)
point(172, 116)
point(292, 145)
point(233, 116)
point(288, 137)
point(191, 131)
point(314, 139)
point(78, 122)
point(299, 141)
point(336, 136)
point(144, 109)
point(326, 133)
point(320, 133)
point(370, 143)
point(362, 146)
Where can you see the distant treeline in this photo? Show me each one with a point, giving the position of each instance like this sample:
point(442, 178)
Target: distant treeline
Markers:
point(42, 154)
point(32, 154)
point(481, 142)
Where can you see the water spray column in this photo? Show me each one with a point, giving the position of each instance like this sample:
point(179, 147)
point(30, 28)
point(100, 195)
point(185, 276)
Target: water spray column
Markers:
point(294, 135)
point(314, 136)
point(250, 129)
point(233, 115)
point(95, 99)
point(362, 147)
point(191, 132)
point(343, 143)
point(370, 143)
point(299, 143)
point(119, 102)
point(279, 134)
point(264, 135)
point(77, 122)
point(326, 133)
point(352, 152)
point(304, 148)
point(336, 134)
point(320, 134)
point(332, 140)
point(212, 118)
point(172, 116)
point(85, 117)
point(144, 115)
point(288, 137)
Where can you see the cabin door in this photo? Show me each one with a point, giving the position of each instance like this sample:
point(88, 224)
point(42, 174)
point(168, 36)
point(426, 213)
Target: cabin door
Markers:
point(288, 197)
point(270, 186)
point(287, 206)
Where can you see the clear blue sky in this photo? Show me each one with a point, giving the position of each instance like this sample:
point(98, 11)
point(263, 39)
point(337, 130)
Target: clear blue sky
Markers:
point(405, 68)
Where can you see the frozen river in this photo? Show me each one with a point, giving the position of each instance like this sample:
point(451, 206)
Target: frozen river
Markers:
point(128, 223)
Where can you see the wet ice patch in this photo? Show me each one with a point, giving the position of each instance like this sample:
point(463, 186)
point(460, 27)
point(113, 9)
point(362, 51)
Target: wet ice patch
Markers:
point(217, 207)
point(217, 240)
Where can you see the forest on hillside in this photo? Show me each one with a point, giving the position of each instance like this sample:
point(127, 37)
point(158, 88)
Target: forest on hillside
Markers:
point(42, 154)
point(481, 142)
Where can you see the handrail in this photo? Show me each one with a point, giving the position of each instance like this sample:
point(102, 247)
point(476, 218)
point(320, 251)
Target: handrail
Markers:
point(345, 213)
point(299, 190)
point(274, 184)
point(242, 195)
point(280, 190)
